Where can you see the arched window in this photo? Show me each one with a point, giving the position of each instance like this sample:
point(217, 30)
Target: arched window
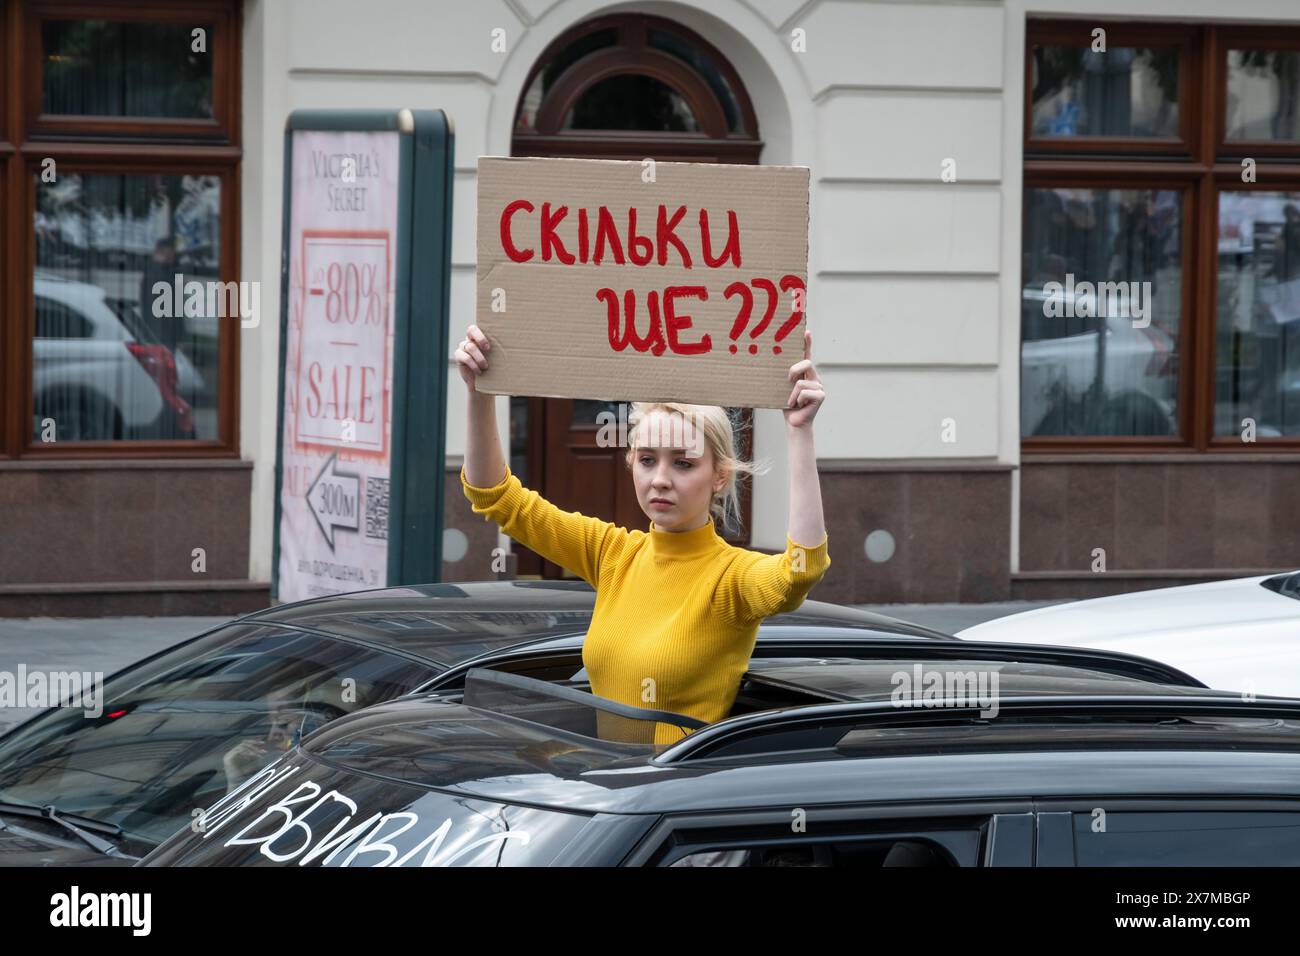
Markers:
point(630, 86)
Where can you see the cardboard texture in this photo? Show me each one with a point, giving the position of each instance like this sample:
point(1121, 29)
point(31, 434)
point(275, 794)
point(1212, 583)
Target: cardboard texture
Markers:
point(553, 294)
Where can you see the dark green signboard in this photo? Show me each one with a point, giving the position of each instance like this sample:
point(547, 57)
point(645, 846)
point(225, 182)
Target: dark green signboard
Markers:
point(365, 293)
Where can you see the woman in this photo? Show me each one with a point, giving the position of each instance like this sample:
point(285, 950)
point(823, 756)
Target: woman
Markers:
point(677, 608)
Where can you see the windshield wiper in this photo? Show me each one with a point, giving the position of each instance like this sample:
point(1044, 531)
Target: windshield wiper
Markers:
point(65, 820)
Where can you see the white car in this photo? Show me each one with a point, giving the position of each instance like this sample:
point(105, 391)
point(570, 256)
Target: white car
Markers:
point(97, 377)
point(1239, 635)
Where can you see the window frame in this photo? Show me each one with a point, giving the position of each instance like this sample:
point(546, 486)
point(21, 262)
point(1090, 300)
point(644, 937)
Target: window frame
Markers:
point(225, 80)
point(1177, 35)
point(228, 355)
point(1226, 39)
point(110, 146)
point(1204, 167)
point(1146, 178)
point(1226, 177)
point(632, 54)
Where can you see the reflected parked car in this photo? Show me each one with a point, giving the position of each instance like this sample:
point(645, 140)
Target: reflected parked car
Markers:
point(1059, 373)
point(99, 375)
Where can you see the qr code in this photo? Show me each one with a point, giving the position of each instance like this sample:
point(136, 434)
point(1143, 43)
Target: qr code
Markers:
point(377, 508)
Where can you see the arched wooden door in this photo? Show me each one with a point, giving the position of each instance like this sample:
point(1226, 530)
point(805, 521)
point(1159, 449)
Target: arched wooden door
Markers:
point(619, 87)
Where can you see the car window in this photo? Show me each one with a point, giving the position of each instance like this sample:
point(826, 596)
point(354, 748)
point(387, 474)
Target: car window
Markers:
point(1037, 326)
point(557, 667)
point(1182, 838)
point(865, 854)
point(444, 636)
point(868, 845)
point(54, 320)
point(129, 315)
point(183, 729)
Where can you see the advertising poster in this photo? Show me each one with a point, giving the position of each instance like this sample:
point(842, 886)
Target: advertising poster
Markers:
point(336, 444)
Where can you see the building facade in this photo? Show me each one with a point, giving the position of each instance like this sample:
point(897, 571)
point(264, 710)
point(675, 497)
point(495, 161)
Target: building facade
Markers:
point(1049, 280)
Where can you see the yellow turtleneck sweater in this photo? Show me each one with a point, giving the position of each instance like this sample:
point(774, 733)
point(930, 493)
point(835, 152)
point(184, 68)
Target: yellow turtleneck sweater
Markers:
point(676, 614)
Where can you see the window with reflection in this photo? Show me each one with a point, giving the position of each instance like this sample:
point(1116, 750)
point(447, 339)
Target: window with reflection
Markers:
point(1160, 278)
point(1263, 95)
point(127, 68)
point(631, 102)
point(1257, 315)
point(120, 294)
point(1125, 91)
point(675, 44)
point(587, 412)
point(1100, 311)
point(519, 437)
point(126, 333)
point(544, 79)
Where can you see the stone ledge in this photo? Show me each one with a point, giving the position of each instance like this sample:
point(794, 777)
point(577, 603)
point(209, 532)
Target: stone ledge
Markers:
point(129, 598)
point(96, 587)
point(124, 464)
point(834, 465)
point(1085, 458)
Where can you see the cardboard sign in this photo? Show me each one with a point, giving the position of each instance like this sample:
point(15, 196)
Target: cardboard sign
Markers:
point(635, 280)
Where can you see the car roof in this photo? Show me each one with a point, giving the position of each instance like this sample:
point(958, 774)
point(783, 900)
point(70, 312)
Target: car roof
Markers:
point(72, 292)
point(1188, 609)
point(447, 624)
point(1057, 733)
point(850, 679)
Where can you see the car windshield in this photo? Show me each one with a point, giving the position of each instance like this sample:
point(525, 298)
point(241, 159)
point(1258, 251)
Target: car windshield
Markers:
point(1287, 585)
point(353, 819)
point(180, 731)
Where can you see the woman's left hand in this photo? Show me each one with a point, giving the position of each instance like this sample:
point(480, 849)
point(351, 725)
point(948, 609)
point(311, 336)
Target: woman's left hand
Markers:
point(808, 393)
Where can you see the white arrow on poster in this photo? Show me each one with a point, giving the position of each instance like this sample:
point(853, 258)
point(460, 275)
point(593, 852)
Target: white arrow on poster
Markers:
point(333, 500)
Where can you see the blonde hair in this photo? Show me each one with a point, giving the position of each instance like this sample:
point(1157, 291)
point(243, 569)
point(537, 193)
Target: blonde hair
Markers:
point(720, 431)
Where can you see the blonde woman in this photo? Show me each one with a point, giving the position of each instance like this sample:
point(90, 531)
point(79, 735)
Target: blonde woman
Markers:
point(677, 608)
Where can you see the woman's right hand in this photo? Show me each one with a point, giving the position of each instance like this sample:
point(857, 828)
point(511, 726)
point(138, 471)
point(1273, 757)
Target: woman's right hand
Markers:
point(470, 356)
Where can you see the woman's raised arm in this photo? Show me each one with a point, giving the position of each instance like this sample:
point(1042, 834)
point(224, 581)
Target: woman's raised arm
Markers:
point(570, 539)
point(807, 525)
point(485, 463)
point(760, 585)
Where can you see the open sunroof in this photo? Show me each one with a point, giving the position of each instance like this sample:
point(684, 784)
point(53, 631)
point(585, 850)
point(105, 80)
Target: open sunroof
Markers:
point(567, 709)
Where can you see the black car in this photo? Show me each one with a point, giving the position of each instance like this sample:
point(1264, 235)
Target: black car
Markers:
point(829, 758)
point(182, 728)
